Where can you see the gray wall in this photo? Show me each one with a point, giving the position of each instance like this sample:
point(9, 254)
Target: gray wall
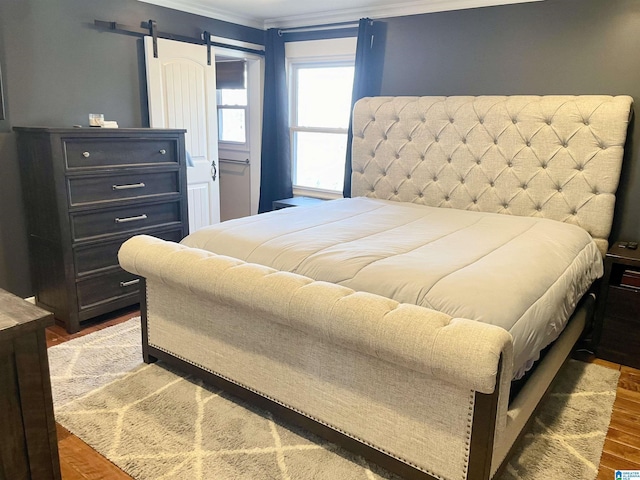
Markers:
point(550, 47)
point(57, 67)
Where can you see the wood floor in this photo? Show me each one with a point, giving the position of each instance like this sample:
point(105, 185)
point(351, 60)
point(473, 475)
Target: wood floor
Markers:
point(621, 451)
point(78, 461)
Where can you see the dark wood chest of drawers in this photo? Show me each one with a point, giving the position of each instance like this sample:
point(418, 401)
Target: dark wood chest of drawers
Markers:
point(86, 191)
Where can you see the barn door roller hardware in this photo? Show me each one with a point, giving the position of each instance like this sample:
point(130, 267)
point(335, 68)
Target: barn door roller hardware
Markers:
point(153, 31)
point(151, 28)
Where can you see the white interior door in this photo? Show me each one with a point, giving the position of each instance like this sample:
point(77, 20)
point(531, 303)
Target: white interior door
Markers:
point(182, 94)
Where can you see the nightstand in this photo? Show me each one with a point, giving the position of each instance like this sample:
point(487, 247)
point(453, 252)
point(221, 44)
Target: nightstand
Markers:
point(28, 445)
point(296, 202)
point(617, 325)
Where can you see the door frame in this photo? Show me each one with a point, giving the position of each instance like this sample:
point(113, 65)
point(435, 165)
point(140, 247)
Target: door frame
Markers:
point(255, 82)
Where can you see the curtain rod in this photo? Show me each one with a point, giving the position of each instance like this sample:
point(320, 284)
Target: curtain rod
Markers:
point(319, 28)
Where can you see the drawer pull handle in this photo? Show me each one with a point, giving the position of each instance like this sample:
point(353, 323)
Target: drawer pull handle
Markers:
point(86, 154)
point(163, 151)
point(126, 187)
point(132, 219)
point(130, 282)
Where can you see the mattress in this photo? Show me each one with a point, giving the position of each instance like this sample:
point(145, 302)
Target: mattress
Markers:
point(524, 274)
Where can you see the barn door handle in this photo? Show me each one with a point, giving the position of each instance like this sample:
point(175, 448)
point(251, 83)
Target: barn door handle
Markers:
point(214, 170)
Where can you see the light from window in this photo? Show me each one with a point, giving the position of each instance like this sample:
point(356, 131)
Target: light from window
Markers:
point(233, 97)
point(232, 115)
point(324, 96)
point(321, 95)
point(231, 125)
point(320, 160)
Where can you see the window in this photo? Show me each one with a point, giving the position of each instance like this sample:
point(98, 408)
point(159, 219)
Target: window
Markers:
point(320, 84)
point(319, 124)
point(232, 113)
point(232, 116)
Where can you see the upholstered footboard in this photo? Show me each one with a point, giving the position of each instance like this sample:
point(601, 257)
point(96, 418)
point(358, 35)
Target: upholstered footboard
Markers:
point(406, 381)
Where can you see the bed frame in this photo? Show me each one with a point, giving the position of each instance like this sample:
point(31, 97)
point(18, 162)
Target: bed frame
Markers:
point(416, 391)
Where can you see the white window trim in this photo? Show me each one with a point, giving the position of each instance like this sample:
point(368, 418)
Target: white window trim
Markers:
point(316, 193)
point(315, 53)
point(237, 146)
point(314, 49)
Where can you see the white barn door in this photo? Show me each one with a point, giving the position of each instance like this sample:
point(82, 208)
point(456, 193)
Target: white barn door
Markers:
point(182, 94)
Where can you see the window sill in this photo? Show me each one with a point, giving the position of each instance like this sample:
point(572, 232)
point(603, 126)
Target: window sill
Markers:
point(316, 193)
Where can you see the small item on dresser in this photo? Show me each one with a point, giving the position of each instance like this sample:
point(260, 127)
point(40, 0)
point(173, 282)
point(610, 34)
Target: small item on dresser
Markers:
point(622, 244)
point(632, 245)
point(110, 124)
point(96, 119)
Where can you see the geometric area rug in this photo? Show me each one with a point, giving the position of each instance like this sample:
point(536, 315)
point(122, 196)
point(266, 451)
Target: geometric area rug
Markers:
point(156, 423)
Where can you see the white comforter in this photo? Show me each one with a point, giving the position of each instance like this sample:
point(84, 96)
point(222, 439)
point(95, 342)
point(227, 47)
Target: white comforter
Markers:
point(524, 274)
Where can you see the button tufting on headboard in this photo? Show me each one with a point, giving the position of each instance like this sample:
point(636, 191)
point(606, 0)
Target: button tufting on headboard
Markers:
point(557, 157)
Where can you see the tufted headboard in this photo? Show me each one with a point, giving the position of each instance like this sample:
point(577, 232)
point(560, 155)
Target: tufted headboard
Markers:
point(557, 157)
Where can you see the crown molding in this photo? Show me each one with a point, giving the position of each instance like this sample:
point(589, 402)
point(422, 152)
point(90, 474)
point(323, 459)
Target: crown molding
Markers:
point(204, 8)
point(384, 11)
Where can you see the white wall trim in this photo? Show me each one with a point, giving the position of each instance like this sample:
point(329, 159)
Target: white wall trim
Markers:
point(385, 11)
point(236, 43)
point(316, 193)
point(205, 9)
point(316, 49)
point(416, 7)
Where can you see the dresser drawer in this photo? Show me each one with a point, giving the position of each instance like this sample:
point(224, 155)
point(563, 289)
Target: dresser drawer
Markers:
point(92, 258)
point(620, 337)
point(620, 341)
point(106, 288)
point(85, 225)
point(98, 152)
point(87, 190)
point(623, 303)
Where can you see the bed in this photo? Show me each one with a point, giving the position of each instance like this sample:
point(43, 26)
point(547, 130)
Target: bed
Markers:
point(394, 322)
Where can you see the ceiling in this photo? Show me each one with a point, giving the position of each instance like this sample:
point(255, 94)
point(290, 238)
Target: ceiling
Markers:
point(297, 13)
